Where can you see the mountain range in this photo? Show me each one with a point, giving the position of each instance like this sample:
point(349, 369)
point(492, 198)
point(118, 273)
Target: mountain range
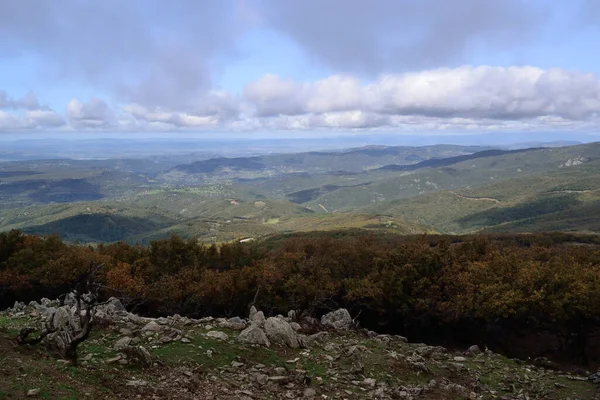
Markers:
point(405, 189)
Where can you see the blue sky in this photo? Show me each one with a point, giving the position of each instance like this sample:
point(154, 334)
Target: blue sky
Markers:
point(297, 68)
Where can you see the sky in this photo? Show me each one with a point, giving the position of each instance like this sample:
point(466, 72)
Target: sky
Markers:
point(285, 68)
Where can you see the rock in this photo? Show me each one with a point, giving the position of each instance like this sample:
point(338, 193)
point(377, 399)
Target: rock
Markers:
point(48, 313)
point(237, 364)
point(295, 326)
point(234, 323)
point(291, 315)
point(123, 343)
point(33, 392)
point(369, 382)
point(217, 335)
point(254, 335)
point(278, 379)
point(280, 332)
point(258, 318)
point(252, 312)
point(18, 306)
point(459, 359)
point(112, 306)
point(152, 326)
point(317, 338)
point(185, 340)
point(339, 319)
point(113, 360)
point(261, 379)
point(474, 350)
point(136, 383)
point(139, 355)
point(62, 318)
point(309, 393)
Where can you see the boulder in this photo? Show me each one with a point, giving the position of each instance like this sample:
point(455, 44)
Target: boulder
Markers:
point(139, 355)
point(258, 319)
point(217, 335)
point(234, 323)
point(280, 332)
point(112, 306)
point(62, 318)
point(252, 312)
point(123, 343)
point(19, 306)
point(152, 326)
point(339, 320)
point(254, 335)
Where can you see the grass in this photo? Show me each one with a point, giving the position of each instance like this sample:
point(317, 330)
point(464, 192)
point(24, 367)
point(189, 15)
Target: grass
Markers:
point(25, 368)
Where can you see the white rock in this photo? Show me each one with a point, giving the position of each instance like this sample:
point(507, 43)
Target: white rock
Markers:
point(258, 318)
point(339, 319)
point(123, 343)
point(217, 335)
point(152, 326)
point(280, 332)
point(254, 335)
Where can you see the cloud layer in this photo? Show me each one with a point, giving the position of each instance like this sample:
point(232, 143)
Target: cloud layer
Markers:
point(386, 65)
point(465, 98)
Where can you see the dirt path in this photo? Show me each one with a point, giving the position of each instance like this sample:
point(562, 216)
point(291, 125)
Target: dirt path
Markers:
point(476, 198)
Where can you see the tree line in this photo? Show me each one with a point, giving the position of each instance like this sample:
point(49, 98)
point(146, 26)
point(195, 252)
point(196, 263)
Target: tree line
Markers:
point(411, 280)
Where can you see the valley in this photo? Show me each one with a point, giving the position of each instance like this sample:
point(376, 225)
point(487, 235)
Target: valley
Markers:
point(408, 190)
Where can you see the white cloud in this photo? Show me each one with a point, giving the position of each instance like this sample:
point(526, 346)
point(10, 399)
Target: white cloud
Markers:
point(27, 102)
point(464, 99)
point(478, 92)
point(93, 114)
point(44, 118)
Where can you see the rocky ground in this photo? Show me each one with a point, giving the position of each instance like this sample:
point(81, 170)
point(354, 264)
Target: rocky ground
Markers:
point(130, 357)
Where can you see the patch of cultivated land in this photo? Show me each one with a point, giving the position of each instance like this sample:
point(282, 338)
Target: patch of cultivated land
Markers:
point(206, 359)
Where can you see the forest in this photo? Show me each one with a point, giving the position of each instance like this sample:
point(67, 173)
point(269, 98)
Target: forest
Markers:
point(406, 284)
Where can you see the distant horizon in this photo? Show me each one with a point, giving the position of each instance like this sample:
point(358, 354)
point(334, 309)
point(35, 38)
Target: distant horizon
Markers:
point(101, 147)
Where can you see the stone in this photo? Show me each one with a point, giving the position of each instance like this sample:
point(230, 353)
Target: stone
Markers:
point(152, 326)
point(139, 355)
point(309, 393)
point(136, 383)
point(280, 332)
point(217, 335)
point(233, 323)
point(113, 360)
point(112, 306)
point(317, 338)
point(237, 364)
point(62, 319)
point(33, 392)
point(295, 326)
point(252, 312)
point(339, 319)
point(48, 313)
point(369, 382)
point(258, 318)
point(459, 359)
point(254, 335)
point(261, 379)
point(123, 343)
point(474, 350)
point(185, 340)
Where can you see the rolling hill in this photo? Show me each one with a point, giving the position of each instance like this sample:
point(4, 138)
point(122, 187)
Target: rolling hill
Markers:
point(445, 189)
